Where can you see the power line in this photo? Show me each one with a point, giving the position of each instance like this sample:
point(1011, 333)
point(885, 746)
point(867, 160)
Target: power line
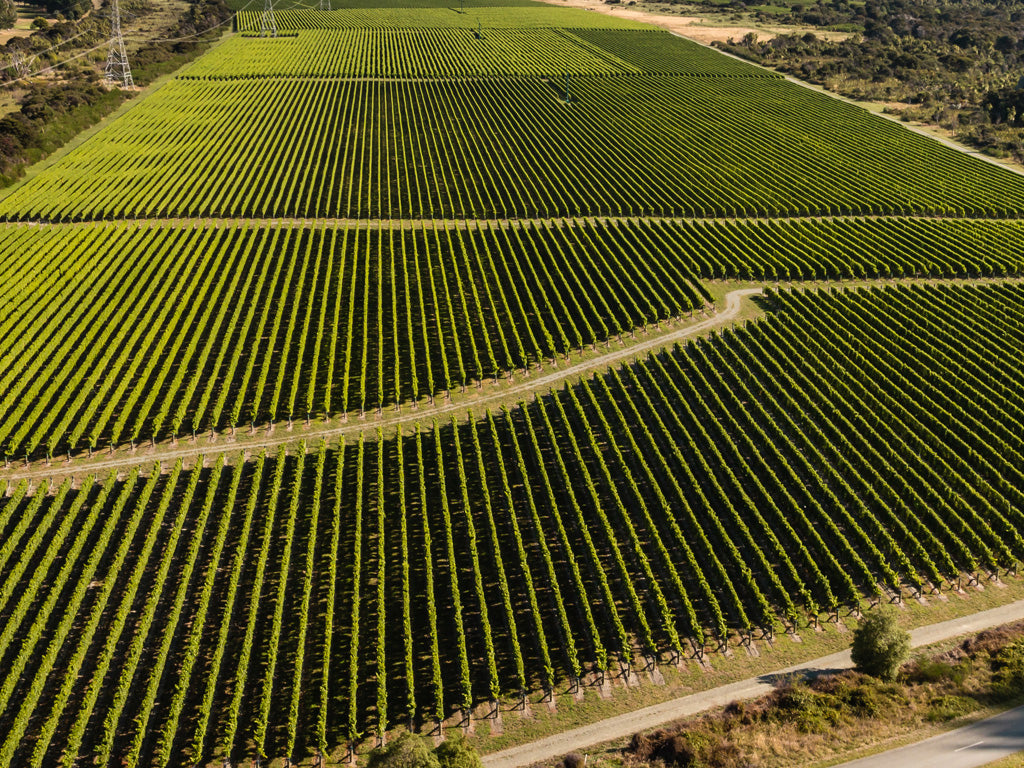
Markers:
point(54, 66)
point(86, 52)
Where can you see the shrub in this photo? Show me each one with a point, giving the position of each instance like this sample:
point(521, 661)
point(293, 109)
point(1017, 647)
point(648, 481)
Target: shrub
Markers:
point(456, 752)
point(405, 751)
point(937, 671)
point(865, 701)
point(943, 708)
point(880, 645)
point(1008, 665)
point(8, 14)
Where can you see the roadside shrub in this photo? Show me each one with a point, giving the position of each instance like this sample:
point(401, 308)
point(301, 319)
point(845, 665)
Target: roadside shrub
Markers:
point(1008, 666)
point(405, 751)
point(456, 752)
point(643, 745)
point(679, 750)
point(808, 710)
point(865, 701)
point(944, 708)
point(880, 645)
point(992, 641)
point(924, 671)
point(574, 760)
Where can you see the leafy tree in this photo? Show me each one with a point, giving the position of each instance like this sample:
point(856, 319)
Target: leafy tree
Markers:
point(880, 645)
point(8, 15)
point(456, 752)
point(405, 751)
point(72, 9)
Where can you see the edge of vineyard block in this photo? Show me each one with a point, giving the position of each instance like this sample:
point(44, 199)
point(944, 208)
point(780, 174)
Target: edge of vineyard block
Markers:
point(80, 138)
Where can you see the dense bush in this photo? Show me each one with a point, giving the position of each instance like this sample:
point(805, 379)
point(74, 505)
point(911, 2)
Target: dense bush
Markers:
point(1008, 666)
point(880, 645)
point(954, 64)
point(985, 669)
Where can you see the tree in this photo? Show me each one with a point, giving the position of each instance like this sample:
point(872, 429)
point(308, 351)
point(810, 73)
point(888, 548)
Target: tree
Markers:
point(456, 752)
point(880, 645)
point(404, 751)
point(8, 15)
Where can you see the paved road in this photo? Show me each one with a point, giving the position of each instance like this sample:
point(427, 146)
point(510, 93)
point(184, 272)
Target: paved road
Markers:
point(968, 747)
point(625, 725)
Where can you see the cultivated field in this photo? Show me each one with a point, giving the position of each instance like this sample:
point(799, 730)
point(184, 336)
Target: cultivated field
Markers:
point(358, 132)
point(380, 210)
point(731, 487)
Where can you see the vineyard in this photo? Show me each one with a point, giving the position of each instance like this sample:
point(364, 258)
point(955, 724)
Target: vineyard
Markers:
point(433, 15)
point(307, 256)
point(634, 515)
point(224, 327)
point(484, 147)
point(445, 52)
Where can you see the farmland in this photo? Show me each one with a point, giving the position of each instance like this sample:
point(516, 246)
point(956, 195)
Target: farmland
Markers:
point(382, 145)
point(333, 320)
point(360, 52)
point(342, 234)
point(623, 517)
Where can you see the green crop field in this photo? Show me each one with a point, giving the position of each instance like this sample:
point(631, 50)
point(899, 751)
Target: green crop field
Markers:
point(491, 147)
point(434, 16)
point(398, 6)
point(444, 53)
point(638, 513)
point(407, 362)
point(222, 327)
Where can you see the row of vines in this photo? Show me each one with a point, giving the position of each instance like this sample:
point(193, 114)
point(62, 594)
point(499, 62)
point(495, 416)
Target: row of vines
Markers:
point(506, 148)
point(447, 53)
point(115, 335)
point(431, 14)
point(842, 448)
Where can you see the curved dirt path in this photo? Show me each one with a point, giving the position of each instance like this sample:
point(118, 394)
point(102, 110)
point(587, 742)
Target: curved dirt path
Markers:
point(623, 726)
point(458, 406)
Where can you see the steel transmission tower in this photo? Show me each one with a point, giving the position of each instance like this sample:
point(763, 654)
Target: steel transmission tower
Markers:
point(118, 71)
point(325, 5)
point(268, 24)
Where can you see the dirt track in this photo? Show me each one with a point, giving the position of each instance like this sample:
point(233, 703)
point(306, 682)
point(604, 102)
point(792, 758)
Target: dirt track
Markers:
point(457, 406)
point(694, 27)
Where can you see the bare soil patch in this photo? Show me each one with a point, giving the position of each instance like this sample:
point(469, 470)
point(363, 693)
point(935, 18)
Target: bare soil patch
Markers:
point(698, 28)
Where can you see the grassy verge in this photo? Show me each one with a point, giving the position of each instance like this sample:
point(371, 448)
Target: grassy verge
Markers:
point(839, 717)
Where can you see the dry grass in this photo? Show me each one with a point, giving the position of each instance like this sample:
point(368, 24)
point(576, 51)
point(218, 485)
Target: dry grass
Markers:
point(818, 721)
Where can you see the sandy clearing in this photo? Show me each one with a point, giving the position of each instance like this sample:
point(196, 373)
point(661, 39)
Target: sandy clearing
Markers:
point(693, 27)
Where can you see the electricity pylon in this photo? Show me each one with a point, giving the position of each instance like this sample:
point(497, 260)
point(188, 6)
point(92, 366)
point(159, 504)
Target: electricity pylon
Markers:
point(118, 72)
point(325, 5)
point(268, 24)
